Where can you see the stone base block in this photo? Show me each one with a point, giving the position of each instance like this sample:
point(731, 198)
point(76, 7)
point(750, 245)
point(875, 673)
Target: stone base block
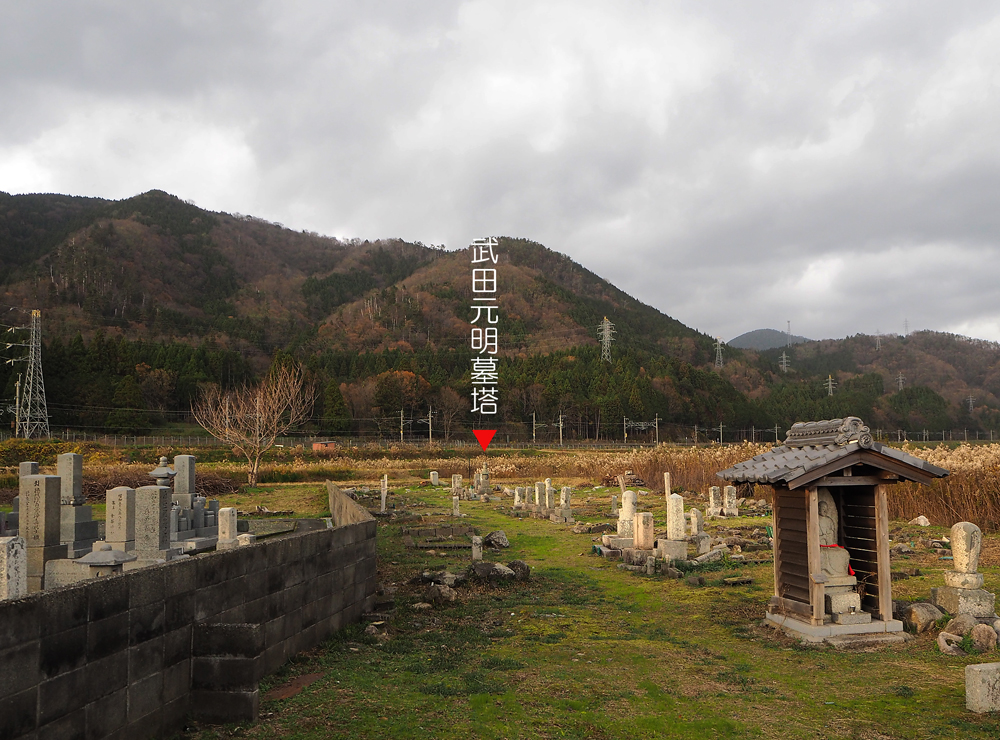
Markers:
point(672, 549)
point(858, 617)
point(842, 603)
point(702, 542)
point(819, 633)
point(982, 687)
point(617, 543)
point(195, 544)
point(972, 601)
point(954, 579)
point(37, 558)
point(227, 544)
point(558, 519)
point(63, 573)
point(127, 546)
point(715, 553)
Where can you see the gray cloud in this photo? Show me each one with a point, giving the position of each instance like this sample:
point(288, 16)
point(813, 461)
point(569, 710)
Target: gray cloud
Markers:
point(733, 164)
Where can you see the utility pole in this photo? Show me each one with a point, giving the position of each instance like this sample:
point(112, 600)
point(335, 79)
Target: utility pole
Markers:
point(830, 385)
point(776, 434)
point(784, 362)
point(657, 422)
point(430, 427)
point(534, 426)
point(718, 352)
point(900, 380)
point(560, 429)
point(401, 425)
point(720, 432)
point(606, 333)
point(625, 428)
point(696, 434)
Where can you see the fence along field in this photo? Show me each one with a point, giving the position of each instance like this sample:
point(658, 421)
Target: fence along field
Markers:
point(970, 493)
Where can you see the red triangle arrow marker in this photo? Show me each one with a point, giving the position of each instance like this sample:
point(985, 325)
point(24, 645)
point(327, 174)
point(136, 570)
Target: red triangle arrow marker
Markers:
point(485, 436)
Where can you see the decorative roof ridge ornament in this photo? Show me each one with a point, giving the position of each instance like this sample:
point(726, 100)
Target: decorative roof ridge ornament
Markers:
point(838, 432)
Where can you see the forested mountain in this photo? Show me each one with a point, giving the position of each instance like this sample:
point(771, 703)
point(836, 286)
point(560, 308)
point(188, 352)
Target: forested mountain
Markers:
point(144, 299)
point(761, 339)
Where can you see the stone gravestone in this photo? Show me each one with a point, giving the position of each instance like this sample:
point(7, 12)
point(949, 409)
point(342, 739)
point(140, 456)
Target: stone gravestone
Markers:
point(454, 506)
point(714, 502)
point(518, 492)
point(550, 498)
point(666, 485)
point(729, 502)
point(963, 592)
point(564, 514)
point(119, 529)
point(699, 537)
point(385, 491)
point(539, 494)
point(456, 481)
point(77, 529)
point(644, 537)
point(434, 478)
point(13, 568)
point(675, 517)
point(614, 504)
point(626, 516)
point(227, 529)
point(40, 525)
point(477, 548)
point(184, 481)
point(152, 524)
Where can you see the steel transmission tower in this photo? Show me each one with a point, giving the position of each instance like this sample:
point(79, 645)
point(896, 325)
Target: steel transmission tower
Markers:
point(718, 352)
point(33, 415)
point(784, 362)
point(830, 384)
point(971, 400)
point(900, 380)
point(606, 333)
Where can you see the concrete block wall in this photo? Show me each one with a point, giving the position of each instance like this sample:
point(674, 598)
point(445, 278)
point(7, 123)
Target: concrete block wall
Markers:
point(133, 655)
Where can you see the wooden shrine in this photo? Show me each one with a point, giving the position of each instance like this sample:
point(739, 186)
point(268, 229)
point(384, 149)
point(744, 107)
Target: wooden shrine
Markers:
point(831, 528)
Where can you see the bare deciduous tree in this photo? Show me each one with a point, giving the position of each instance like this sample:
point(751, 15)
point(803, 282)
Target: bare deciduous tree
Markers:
point(251, 418)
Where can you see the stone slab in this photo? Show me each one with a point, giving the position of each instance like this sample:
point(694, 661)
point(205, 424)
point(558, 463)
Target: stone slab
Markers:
point(672, 549)
point(975, 602)
point(818, 633)
point(982, 687)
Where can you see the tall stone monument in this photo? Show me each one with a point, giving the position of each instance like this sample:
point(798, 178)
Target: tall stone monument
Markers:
point(40, 525)
point(78, 530)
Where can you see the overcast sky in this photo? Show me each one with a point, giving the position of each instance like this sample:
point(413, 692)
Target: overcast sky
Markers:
point(734, 164)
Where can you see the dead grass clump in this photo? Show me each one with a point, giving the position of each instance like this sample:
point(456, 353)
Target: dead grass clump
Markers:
point(97, 484)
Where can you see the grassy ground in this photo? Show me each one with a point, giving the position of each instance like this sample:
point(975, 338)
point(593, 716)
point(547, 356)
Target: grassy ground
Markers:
point(585, 650)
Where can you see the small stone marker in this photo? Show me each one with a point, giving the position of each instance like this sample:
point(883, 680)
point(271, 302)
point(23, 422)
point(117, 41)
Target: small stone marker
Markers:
point(714, 502)
point(119, 531)
point(385, 491)
point(982, 687)
point(518, 493)
point(644, 537)
point(477, 548)
point(456, 481)
point(675, 517)
point(729, 502)
point(434, 478)
point(697, 523)
point(963, 592)
point(454, 506)
point(614, 504)
point(666, 485)
point(227, 529)
point(539, 493)
point(13, 568)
